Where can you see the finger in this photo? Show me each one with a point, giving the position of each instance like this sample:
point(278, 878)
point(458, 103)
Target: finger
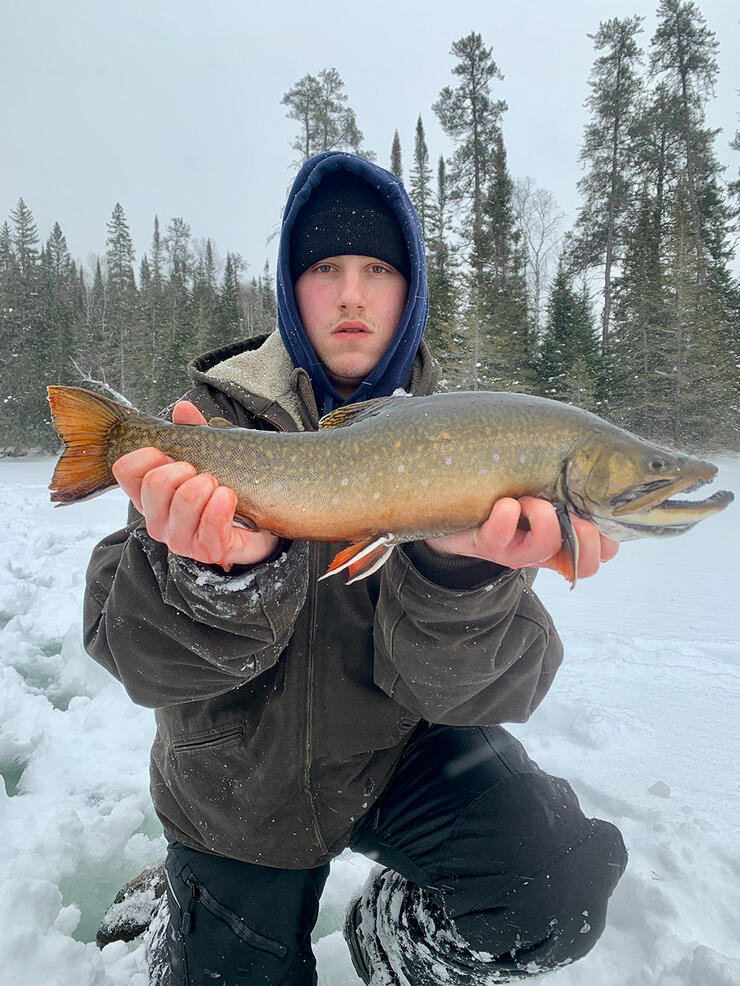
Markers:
point(544, 537)
point(500, 529)
point(609, 548)
point(184, 516)
point(214, 536)
point(131, 468)
point(220, 543)
point(186, 413)
point(158, 488)
point(589, 547)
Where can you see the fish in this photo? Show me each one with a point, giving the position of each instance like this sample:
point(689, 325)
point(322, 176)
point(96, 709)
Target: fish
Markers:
point(396, 469)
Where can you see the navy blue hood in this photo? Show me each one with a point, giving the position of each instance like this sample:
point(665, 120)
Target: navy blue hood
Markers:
point(394, 368)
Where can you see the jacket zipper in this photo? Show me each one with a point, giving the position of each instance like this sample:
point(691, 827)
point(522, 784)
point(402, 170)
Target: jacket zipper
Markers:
point(312, 575)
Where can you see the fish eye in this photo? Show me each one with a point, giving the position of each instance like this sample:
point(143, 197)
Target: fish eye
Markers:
point(657, 465)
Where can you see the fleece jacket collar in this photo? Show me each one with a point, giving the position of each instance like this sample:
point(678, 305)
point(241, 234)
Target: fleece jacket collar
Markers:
point(260, 374)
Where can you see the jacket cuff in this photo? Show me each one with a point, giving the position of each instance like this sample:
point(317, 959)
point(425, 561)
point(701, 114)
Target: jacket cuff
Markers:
point(208, 594)
point(456, 572)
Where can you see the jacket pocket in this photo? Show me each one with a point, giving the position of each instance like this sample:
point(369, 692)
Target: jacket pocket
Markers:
point(209, 739)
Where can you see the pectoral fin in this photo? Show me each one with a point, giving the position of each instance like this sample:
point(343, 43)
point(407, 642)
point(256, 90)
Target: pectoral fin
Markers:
point(566, 560)
point(362, 559)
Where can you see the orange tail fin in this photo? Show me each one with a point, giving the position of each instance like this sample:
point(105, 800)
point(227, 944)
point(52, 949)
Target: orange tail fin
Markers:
point(83, 421)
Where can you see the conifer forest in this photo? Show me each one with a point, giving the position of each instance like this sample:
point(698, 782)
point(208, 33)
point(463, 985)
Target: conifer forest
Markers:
point(633, 312)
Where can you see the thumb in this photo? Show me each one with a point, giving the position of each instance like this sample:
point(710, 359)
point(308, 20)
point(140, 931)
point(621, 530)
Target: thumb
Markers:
point(186, 413)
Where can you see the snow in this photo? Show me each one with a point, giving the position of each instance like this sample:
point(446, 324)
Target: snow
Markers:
point(643, 719)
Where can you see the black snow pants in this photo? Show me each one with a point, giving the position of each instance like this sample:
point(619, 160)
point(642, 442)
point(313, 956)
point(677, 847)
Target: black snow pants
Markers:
point(492, 873)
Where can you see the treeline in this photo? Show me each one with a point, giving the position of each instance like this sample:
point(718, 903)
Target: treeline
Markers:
point(641, 320)
point(634, 312)
point(134, 335)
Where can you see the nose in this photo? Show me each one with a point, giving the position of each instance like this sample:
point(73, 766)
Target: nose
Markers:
point(351, 292)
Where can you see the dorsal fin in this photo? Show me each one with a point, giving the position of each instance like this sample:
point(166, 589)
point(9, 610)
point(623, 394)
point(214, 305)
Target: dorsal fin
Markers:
point(220, 423)
point(350, 413)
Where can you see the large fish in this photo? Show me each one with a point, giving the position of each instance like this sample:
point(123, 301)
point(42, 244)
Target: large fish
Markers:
point(397, 469)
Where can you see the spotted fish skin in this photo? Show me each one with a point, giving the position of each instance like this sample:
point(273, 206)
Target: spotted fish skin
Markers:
point(405, 468)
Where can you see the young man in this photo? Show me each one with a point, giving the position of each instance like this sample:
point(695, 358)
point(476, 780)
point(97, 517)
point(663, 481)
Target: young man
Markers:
point(296, 718)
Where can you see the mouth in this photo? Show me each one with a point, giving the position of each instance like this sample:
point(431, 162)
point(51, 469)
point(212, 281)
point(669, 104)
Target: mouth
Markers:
point(653, 505)
point(351, 329)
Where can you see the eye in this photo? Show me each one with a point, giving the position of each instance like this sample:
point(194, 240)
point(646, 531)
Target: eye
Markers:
point(657, 465)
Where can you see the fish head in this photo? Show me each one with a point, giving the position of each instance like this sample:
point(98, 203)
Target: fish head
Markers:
point(628, 487)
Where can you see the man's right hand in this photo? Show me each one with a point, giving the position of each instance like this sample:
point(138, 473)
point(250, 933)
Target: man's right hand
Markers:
point(186, 510)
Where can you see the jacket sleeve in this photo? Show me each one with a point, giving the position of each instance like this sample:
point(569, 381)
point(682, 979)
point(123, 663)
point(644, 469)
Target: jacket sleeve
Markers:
point(173, 630)
point(479, 649)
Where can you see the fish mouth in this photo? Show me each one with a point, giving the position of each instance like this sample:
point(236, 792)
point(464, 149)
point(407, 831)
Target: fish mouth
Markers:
point(656, 494)
point(654, 506)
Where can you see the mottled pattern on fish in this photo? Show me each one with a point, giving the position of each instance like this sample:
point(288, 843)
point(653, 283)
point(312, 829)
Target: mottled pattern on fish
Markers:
point(411, 467)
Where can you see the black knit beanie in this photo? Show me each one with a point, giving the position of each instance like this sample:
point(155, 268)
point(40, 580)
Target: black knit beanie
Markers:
point(346, 215)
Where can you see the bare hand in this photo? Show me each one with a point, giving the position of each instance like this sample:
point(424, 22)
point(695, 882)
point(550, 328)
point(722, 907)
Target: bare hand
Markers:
point(186, 510)
point(500, 539)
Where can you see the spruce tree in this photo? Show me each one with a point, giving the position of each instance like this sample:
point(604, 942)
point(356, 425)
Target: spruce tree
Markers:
point(443, 278)
point(177, 335)
point(23, 361)
point(567, 368)
point(396, 164)
point(59, 285)
point(420, 179)
point(684, 59)
point(615, 86)
point(205, 302)
point(230, 316)
point(471, 117)
point(121, 301)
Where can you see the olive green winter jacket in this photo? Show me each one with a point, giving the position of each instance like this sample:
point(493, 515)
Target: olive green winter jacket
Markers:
point(283, 703)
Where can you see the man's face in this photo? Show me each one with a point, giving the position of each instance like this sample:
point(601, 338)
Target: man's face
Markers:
point(350, 308)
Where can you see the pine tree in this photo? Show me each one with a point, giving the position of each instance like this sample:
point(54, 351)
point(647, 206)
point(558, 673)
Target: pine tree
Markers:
point(420, 179)
point(471, 117)
point(396, 164)
point(615, 90)
point(319, 105)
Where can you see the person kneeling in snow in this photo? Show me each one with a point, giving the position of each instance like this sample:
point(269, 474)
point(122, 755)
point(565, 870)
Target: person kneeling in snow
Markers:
point(296, 719)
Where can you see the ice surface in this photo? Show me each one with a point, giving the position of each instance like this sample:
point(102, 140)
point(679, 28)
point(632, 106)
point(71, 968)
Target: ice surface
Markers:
point(644, 720)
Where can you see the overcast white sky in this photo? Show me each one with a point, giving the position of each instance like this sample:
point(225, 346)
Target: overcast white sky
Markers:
point(174, 108)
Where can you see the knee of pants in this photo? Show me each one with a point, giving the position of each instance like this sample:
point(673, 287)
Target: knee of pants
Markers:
point(541, 889)
point(239, 924)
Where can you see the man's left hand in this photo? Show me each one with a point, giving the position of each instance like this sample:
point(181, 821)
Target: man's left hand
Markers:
point(504, 539)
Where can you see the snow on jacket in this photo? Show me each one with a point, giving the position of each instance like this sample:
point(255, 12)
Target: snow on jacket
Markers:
point(283, 703)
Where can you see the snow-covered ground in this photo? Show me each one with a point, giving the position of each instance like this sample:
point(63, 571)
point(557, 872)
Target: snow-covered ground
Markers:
point(644, 720)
